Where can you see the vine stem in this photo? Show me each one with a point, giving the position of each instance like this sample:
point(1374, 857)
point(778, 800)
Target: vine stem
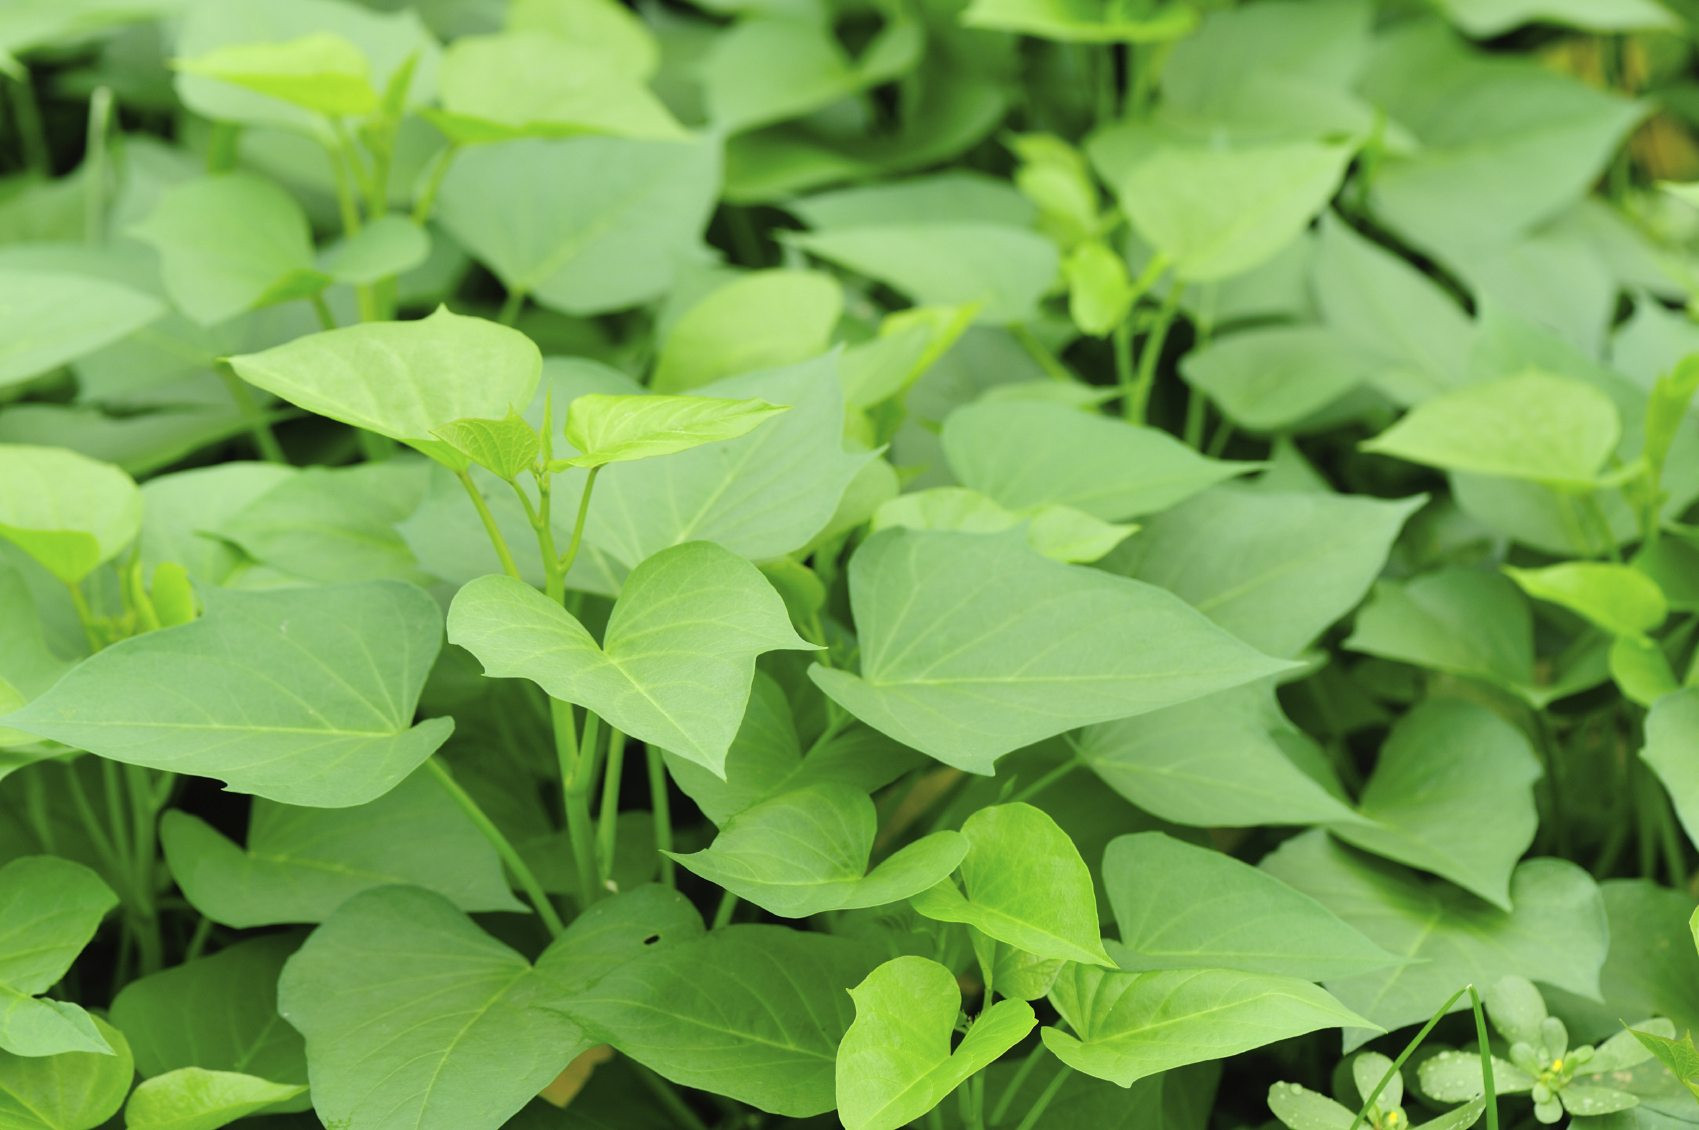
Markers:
point(571, 554)
point(427, 200)
point(510, 307)
point(1045, 780)
point(1044, 1099)
point(504, 847)
point(1137, 404)
point(508, 565)
point(661, 807)
point(607, 821)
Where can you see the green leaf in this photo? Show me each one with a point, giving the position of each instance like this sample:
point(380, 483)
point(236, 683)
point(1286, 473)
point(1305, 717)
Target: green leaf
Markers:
point(230, 243)
point(764, 495)
point(385, 246)
point(1130, 1025)
point(1025, 884)
point(1216, 212)
point(806, 852)
point(1274, 569)
point(619, 429)
point(1100, 294)
point(761, 320)
point(69, 512)
point(1618, 598)
point(403, 380)
point(675, 663)
point(1485, 19)
point(1460, 621)
point(506, 447)
point(48, 318)
point(1107, 468)
point(1680, 1056)
point(217, 1012)
point(192, 1098)
point(763, 1029)
point(51, 908)
point(72, 1091)
point(1060, 533)
point(1671, 728)
point(1005, 271)
point(322, 72)
point(300, 864)
point(972, 645)
point(1516, 1009)
point(1223, 760)
point(1557, 933)
point(1533, 426)
point(1452, 793)
point(1271, 380)
point(1300, 1108)
point(304, 696)
point(1072, 22)
point(469, 1030)
point(896, 1062)
point(530, 84)
point(584, 225)
point(1183, 907)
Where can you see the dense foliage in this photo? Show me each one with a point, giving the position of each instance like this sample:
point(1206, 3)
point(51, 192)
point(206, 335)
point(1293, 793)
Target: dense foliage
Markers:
point(1021, 564)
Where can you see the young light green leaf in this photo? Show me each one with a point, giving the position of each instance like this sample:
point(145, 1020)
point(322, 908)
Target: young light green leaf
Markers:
point(1273, 568)
point(403, 379)
point(51, 908)
point(1223, 760)
point(675, 663)
point(1680, 1056)
point(304, 696)
point(619, 429)
point(1453, 793)
point(1534, 426)
point(1130, 1025)
point(1216, 212)
point(67, 511)
point(1557, 933)
point(507, 447)
point(1025, 884)
point(1100, 294)
point(1672, 726)
point(48, 318)
point(530, 84)
point(322, 72)
point(584, 225)
point(763, 1029)
point(1618, 598)
point(71, 1091)
point(230, 243)
point(300, 864)
point(895, 1063)
point(193, 1098)
point(761, 320)
point(973, 645)
point(806, 852)
point(471, 1032)
point(1002, 270)
point(1060, 533)
point(1180, 906)
point(217, 1012)
point(1107, 468)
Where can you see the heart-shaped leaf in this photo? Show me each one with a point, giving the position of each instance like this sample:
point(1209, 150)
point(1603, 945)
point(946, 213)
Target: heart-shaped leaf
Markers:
point(66, 510)
point(50, 908)
point(805, 852)
point(896, 1063)
point(675, 663)
point(70, 1091)
point(304, 695)
point(321, 72)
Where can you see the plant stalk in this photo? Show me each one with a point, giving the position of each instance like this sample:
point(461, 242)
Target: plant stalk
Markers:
point(522, 872)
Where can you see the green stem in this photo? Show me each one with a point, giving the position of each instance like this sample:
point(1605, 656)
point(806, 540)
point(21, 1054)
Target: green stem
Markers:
point(1022, 1074)
point(427, 200)
point(32, 136)
point(723, 913)
point(1398, 1064)
point(327, 320)
point(85, 615)
point(510, 307)
point(222, 147)
point(976, 1098)
point(1194, 418)
point(1045, 780)
point(1121, 340)
point(671, 1099)
point(1048, 361)
point(1489, 1095)
point(575, 800)
point(571, 554)
point(661, 807)
point(259, 429)
point(508, 565)
point(1137, 405)
point(198, 939)
point(504, 848)
point(607, 823)
point(94, 166)
point(1036, 1111)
